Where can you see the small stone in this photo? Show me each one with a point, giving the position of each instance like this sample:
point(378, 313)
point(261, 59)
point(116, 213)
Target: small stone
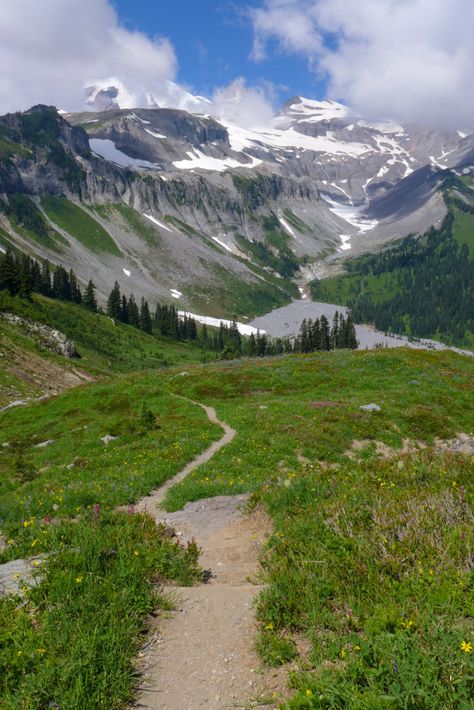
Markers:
point(44, 444)
point(370, 408)
point(263, 406)
point(69, 466)
point(414, 382)
point(108, 438)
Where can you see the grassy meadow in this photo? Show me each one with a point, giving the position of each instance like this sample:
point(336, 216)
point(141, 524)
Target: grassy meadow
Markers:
point(369, 569)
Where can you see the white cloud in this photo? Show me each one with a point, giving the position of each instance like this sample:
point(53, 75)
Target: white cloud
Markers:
point(406, 59)
point(246, 106)
point(51, 49)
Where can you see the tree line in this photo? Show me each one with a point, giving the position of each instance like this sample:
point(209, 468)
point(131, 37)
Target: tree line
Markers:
point(22, 276)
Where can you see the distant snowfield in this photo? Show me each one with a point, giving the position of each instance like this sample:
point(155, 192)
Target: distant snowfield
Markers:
point(350, 214)
point(199, 161)
point(105, 148)
point(244, 329)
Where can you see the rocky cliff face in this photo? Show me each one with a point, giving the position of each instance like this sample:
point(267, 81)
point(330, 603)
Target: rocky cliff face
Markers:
point(213, 211)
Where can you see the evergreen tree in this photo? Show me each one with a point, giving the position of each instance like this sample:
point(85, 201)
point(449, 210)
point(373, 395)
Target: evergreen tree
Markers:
point(325, 334)
point(45, 288)
point(114, 303)
point(9, 273)
point(90, 301)
point(133, 314)
point(124, 310)
point(145, 317)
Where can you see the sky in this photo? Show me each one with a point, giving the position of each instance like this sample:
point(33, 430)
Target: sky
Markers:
point(407, 60)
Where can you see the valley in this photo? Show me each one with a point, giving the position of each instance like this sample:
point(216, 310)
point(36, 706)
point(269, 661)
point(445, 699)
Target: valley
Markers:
point(200, 506)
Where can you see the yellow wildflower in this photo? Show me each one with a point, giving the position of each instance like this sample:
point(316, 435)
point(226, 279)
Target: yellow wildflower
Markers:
point(269, 626)
point(465, 646)
point(79, 579)
point(136, 553)
point(357, 647)
point(309, 692)
point(343, 653)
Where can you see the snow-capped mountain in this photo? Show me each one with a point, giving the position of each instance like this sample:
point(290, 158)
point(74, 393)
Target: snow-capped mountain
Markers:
point(214, 213)
point(353, 164)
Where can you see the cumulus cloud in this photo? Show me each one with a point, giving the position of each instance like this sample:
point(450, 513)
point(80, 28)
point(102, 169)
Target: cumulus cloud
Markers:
point(243, 105)
point(406, 59)
point(51, 49)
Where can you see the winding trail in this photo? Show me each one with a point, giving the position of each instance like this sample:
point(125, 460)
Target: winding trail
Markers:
point(202, 655)
point(151, 502)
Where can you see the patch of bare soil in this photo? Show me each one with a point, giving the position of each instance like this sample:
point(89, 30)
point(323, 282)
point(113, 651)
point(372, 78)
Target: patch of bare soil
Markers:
point(41, 375)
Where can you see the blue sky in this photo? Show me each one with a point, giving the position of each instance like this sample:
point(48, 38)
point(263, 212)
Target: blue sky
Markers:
point(213, 43)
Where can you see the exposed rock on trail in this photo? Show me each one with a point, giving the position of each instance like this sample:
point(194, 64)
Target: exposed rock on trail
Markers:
point(202, 655)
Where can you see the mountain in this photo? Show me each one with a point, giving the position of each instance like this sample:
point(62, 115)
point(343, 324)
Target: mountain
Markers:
point(223, 218)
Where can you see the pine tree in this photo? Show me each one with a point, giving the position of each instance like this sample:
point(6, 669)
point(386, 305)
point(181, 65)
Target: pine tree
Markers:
point(114, 303)
point(90, 301)
point(133, 314)
point(325, 334)
point(45, 279)
point(145, 317)
point(124, 310)
point(9, 273)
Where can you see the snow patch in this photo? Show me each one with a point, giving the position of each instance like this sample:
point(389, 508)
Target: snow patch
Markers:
point(106, 149)
point(155, 135)
point(157, 222)
point(244, 329)
point(198, 160)
point(286, 226)
point(175, 293)
point(225, 246)
point(346, 242)
point(127, 272)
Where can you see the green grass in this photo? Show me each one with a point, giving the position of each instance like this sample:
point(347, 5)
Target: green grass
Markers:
point(273, 404)
point(104, 346)
point(463, 231)
point(296, 222)
point(111, 475)
point(71, 642)
point(29, 222)
point(372, 564)
point(182, 226)
point(342, 290)
point(369, 560)
point(79, 224)
point(133, 221)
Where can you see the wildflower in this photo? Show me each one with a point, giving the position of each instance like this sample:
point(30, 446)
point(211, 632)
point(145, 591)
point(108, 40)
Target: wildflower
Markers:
point(40, 651)
point(357, 648)
point(96, 510)
point(309, 692)
point(343, 653)
point(19, 653)
point(34, 543)
point(79, 579)
point(465, 646)
point(269, 626)
point(136, 553)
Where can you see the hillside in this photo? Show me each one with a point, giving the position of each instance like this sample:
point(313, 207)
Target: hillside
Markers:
point(354, 495)
point(421, 287)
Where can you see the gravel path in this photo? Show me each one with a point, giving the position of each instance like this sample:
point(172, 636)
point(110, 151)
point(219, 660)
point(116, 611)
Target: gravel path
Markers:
point(202, 655)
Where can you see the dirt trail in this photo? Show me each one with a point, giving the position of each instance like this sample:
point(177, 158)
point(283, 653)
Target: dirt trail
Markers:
point(202, 655)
